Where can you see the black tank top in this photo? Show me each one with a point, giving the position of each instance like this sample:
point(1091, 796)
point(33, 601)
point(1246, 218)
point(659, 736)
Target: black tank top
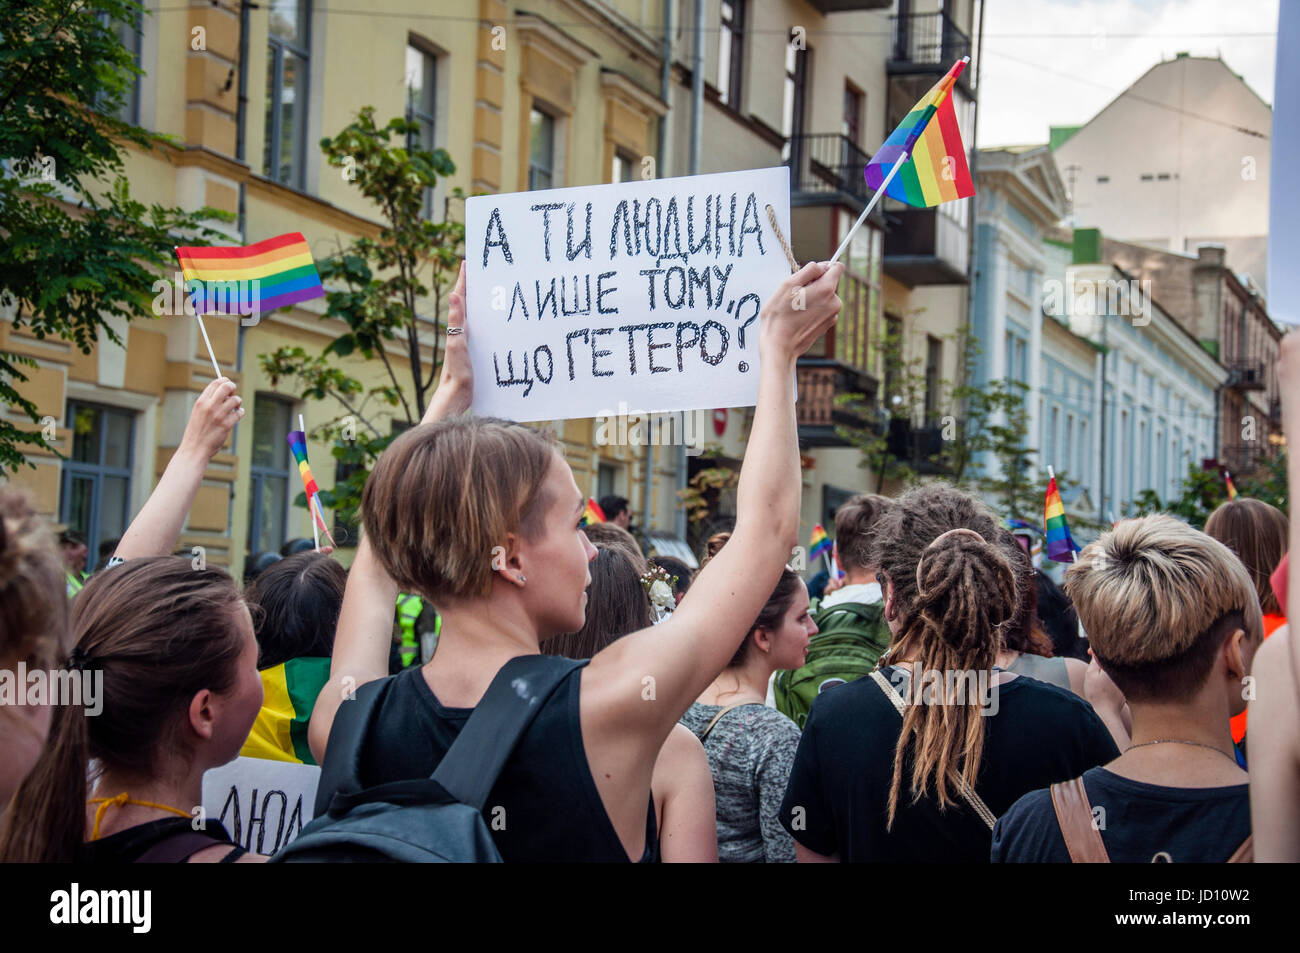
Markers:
point(171, 840)
point(544, 806)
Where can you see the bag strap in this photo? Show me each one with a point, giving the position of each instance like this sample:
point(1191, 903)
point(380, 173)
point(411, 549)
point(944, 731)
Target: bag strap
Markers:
point(716, 719)
point(340, 769)
point(967, 792)
point(180, 847)
point(471, 766)
point(1074, 815)
point(1245, 854)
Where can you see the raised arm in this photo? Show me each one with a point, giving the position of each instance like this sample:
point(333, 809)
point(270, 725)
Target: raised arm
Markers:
point(1288, 376)
point(683, 655)
point(157, 527)
point(365, 626)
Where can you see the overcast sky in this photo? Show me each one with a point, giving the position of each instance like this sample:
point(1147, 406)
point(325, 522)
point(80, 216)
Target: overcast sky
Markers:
point(1059, 62)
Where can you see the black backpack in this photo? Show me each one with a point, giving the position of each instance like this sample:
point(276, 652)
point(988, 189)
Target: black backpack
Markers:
point(435, 819)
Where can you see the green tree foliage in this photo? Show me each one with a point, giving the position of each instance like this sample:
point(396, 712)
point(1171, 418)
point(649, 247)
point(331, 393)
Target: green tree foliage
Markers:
point(1201, 491)
point(76, 250)
point(387, 289)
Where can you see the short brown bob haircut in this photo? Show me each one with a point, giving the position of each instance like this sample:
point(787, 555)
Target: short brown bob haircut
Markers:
point(1157, 599)
point(444, 494)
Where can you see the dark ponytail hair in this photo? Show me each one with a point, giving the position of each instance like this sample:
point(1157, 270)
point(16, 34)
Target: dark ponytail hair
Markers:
point(617, 605)
point(954, 588)
point(777, 605)
point(160, 631)
point(295, 604)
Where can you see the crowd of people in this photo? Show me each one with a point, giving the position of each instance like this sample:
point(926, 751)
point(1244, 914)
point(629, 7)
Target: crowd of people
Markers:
point(938, 699)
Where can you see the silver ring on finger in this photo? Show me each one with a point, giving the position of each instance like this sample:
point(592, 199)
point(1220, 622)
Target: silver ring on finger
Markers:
point(455, 331)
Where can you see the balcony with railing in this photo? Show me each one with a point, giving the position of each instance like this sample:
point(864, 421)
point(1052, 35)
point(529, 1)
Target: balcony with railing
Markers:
point(826, 168)
point(1247, 374)
point(1244, 458)
point(928, 43)
point(925, 246)
point(921, 448)
point(818, 415)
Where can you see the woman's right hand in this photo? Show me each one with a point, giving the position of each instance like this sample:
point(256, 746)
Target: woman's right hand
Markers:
point(802, 309)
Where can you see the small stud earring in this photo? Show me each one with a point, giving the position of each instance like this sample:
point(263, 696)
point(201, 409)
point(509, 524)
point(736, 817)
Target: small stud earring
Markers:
point(522, 579)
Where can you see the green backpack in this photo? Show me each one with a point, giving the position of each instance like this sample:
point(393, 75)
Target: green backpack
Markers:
point(850, 637)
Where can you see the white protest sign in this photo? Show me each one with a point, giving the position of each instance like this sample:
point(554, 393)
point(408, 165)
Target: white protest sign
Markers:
point(262, 804)
point(643, 294)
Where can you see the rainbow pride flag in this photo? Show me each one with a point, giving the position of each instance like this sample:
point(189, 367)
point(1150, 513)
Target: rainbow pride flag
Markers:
point(1232, 489)
point(936, 170)
point(298, 446)
point(257, 278)
point(1060, 544)
point(819, 544)
point(593, 513)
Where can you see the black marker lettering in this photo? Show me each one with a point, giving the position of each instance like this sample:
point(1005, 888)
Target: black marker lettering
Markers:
point(651, 345)
point(568, 346)
point(597, 353)
point(602, 291)
point(750, 203)
point(544, 302)
point(546, 211)
point(488, 243)
point(650, 273)
point(694, 340)
point(704, 343)
point(571, 251)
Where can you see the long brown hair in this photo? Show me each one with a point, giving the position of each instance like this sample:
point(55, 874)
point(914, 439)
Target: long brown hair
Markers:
point(617, 605)
point(953, 589)
point(1024, 632)
point(1257, 533)
point(778, 603)
point(160, 631)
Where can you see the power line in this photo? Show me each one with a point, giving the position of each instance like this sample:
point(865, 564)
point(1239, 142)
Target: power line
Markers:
point(1127, 93)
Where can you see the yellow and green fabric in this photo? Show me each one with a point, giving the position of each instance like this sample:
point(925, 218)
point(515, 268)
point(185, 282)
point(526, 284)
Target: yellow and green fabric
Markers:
point(289, 691)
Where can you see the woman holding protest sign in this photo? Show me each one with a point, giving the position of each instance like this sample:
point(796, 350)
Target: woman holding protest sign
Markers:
point(482, 517)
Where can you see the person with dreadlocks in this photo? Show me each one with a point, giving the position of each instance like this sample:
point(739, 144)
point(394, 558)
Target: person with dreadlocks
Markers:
point(916, 761)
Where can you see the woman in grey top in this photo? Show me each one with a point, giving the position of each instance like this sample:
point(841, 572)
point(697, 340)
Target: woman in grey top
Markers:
point(750, 746)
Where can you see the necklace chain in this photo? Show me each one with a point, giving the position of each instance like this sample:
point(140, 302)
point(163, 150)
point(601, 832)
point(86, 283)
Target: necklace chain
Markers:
point(1181, 741)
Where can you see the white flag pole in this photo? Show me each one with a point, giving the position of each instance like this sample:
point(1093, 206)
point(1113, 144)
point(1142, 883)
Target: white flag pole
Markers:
point(198, 316)
point(870, 205)
point(311, 503)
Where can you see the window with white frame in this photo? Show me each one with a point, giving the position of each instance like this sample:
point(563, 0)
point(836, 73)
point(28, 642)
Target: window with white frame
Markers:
point(269, 472)
point(542, 149)
point(96, 493)
point(421, 104)
point(731, 51)
point(287, 55)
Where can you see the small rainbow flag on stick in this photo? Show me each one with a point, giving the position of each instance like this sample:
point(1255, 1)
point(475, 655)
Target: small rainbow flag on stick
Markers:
point(298, 445)
point(1232, 490)
point(1060, 544)
point(593, 513)
point(923, 162)
point(819, 544)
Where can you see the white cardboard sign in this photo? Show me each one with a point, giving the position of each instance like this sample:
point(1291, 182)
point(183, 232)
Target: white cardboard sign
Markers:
point(262, 804)
point(640, 294)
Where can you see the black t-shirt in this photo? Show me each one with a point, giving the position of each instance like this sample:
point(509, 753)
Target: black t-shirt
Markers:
point(128, 846)
point(551, 810)
point(1143, 823)
point(838, 796)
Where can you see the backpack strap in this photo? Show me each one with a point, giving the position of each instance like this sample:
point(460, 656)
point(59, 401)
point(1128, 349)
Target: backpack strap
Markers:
point(469, 769)
point(180, 847)
point(1074, 815)
point(340, 769)
point(967, 792)
point(1245, 854)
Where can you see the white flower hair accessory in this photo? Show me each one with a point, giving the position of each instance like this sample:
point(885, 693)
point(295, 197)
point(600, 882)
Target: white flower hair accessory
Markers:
point(658, 585)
